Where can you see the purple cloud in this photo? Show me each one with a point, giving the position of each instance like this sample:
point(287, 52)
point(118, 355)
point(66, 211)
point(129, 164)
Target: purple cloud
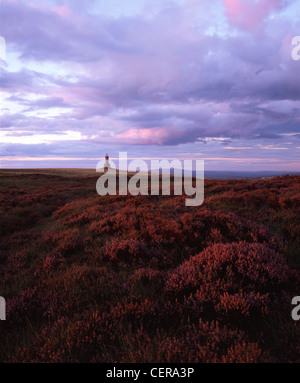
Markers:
point(182, 73)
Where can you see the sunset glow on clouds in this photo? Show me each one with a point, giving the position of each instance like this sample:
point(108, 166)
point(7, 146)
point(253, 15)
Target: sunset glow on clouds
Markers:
point(156, 78)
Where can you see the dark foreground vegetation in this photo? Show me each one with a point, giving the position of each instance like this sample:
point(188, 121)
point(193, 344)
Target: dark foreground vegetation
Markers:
point(147, 279)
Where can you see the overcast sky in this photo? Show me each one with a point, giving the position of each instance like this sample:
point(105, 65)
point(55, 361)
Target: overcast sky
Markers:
point(207, 79)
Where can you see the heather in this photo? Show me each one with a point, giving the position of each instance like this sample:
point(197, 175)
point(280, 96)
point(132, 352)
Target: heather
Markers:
point(147, 279)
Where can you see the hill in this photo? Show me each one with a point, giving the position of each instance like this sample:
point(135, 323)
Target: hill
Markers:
point(147, 279)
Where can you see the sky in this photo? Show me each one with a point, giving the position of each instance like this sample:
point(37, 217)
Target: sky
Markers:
point(185, 79)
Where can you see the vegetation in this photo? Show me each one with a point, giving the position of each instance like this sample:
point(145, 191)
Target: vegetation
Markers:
point(147, 279)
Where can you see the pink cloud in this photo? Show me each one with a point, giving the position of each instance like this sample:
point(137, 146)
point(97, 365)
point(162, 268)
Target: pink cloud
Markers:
point(154, 136)
point(249, 14)
point(63, 11)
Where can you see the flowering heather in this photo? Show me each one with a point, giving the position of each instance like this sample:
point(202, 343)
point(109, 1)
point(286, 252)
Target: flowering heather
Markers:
point(147, 279)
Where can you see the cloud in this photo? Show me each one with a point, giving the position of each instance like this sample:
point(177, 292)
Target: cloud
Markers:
point(249, 14)
point(176, 75)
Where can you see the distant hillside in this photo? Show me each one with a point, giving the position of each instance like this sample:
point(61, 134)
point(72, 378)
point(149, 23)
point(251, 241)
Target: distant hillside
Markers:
point(225, 174)
point(213, 174)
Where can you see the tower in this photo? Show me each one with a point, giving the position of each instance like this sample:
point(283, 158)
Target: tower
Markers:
point(106, 164)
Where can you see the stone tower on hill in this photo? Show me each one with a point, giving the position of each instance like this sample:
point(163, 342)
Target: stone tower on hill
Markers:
point(106, 164)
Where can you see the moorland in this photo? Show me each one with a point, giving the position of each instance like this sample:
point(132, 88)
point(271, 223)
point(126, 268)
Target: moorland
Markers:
point(145, 278)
